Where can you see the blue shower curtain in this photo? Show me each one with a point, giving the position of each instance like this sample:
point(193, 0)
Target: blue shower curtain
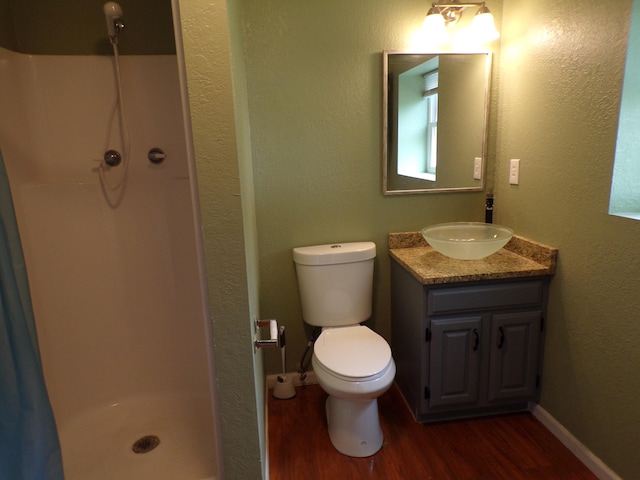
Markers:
point(29, 446)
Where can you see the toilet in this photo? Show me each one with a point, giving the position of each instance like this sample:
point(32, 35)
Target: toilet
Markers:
point(352, 363)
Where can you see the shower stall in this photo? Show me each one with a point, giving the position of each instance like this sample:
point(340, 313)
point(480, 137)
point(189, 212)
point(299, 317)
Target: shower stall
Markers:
point(113, 254)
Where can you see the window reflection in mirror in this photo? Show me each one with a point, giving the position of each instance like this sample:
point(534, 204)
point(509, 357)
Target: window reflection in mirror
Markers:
point(418, 121)
point(434, 127)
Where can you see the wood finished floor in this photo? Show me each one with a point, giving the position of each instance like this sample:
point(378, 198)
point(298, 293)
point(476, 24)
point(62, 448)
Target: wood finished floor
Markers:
point(506, 447)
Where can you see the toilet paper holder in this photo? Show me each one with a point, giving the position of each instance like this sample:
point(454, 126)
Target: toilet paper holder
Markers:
point(273, 340)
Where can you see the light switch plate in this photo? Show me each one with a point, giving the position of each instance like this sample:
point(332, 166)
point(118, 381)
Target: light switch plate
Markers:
point(477, 168)
point(514, 171)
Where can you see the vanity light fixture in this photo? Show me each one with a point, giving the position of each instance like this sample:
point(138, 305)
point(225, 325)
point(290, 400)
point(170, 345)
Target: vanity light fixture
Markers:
point(442, 15)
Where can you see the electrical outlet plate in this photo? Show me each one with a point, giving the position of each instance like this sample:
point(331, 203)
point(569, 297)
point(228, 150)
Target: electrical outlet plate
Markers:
point(514, 171)
point(477, 168)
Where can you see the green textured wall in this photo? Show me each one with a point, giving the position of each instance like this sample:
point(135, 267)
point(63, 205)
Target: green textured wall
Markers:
point(227, 225)
point(314, 80)
point(78, 27)
point(7, 32)
point(560, 76)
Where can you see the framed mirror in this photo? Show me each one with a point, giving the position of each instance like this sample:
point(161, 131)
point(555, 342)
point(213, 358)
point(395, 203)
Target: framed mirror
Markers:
point(434, 128)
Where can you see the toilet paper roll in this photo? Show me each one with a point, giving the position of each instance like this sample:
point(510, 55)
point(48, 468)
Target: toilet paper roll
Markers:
point(284, 388)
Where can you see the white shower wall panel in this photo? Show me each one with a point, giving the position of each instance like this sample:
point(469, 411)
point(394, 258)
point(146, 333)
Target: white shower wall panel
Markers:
point(58, 110)
point(114, 296)
point(115, 290)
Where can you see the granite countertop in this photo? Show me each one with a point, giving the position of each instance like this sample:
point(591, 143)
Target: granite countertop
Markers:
point(518, 258)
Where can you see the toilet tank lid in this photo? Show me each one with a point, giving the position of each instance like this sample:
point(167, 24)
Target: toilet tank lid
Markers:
point(334, 253)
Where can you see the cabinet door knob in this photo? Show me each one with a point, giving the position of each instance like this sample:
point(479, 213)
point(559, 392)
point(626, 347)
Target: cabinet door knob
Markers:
point(501, 337)
point(476, 339)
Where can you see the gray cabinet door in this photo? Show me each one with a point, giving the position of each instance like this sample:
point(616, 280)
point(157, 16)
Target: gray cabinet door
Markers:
point(514, 354)
point(454, 372)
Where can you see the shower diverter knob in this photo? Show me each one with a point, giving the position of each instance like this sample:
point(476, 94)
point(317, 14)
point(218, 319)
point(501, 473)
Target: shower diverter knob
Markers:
point(112, 158)
point(156, 155)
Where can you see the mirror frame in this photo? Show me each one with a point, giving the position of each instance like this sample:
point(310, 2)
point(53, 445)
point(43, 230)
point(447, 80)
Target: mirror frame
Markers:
point(385, 126)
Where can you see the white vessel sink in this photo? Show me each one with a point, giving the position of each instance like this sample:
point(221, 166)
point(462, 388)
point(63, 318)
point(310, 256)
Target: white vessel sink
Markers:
point(467, 240)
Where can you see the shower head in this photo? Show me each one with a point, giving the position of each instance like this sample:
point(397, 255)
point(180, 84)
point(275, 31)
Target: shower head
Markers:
point(112, 14)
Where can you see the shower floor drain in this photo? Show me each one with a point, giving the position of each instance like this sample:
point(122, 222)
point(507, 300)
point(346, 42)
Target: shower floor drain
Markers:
point(145, 444)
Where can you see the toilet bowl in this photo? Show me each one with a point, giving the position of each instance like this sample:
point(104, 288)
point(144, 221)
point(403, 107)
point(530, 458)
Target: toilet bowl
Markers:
point(352, 363)
point(353, 386)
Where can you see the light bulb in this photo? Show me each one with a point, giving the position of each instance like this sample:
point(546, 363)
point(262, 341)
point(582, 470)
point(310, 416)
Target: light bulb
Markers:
point(484, 26)
point(434, 28)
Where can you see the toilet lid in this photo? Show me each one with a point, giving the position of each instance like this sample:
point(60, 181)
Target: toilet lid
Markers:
point(352, 351)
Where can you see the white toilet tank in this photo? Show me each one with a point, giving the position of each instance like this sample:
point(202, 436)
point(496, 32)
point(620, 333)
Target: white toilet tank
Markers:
point(335, 282)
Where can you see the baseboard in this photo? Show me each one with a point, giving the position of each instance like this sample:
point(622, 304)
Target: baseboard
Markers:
point(593, 463)
point(309, 379)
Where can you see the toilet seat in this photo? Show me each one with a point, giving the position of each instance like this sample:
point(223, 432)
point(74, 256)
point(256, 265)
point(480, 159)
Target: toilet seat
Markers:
point(353, 353)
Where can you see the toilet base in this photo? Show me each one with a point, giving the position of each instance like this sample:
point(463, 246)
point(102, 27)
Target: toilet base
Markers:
point(354, 426)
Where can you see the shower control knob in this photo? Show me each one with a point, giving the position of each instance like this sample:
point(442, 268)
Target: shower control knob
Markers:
point(112, 158)
point(156, 155)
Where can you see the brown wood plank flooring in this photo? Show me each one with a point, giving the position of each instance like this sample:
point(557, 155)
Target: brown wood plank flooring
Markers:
point(505, 447)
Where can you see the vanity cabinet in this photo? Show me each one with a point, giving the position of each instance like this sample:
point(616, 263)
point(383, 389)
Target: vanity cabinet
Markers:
point(468, 348)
